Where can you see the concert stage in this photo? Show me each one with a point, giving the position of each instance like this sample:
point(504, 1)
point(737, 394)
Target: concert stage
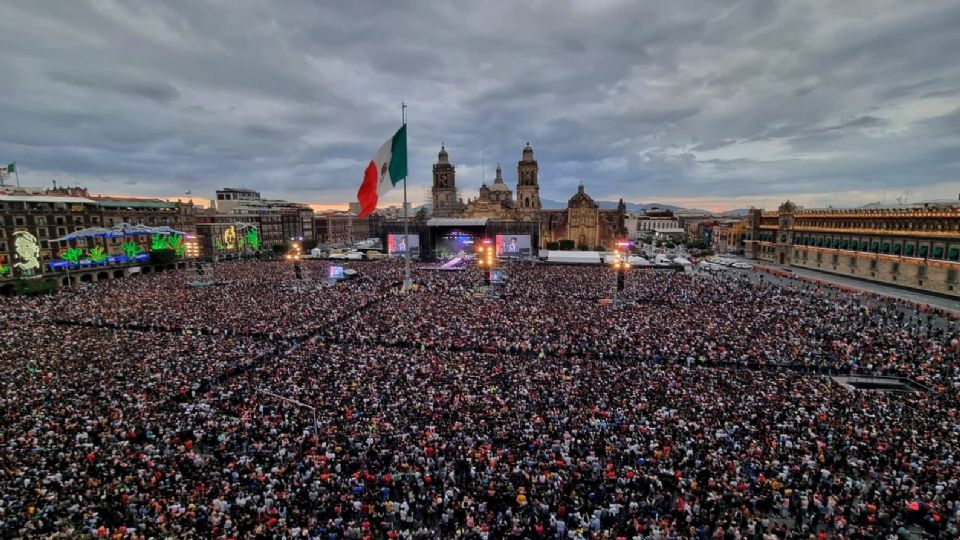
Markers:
point(443, 239)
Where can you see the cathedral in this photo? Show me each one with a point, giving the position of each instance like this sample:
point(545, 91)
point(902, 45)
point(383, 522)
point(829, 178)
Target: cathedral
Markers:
point(582, 222)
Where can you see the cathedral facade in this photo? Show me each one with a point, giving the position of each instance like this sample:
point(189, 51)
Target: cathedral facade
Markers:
point(583, 221)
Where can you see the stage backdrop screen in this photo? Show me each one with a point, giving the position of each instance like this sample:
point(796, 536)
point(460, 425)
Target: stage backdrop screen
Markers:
point(396, 244)
point(336, 272)
point(513, 245)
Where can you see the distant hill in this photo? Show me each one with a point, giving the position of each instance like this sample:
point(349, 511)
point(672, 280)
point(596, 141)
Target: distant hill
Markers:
point(550, 204)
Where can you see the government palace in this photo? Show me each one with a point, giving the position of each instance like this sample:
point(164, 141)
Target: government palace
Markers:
point(582, 221)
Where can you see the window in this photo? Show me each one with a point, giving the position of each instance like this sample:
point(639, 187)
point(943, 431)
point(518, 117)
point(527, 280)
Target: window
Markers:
point(42, 232)
point(835, 259)
point(952, 275)
point(61, 231)
point(895, 268)
point(41, 221)
point(19, 221)
point(922, 271)
point(873, 264)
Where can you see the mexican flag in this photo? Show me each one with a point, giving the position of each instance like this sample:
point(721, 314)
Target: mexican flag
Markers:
point(387, 168)
point(5, 170)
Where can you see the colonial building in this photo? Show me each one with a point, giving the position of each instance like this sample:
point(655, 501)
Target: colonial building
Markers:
point(446, 199)
point(493, 202)
point(528, 186)
point(49, 214)
point(727, 236)
point(345, 227)
point(235, 209)
point(916, 246)
point(582, 221)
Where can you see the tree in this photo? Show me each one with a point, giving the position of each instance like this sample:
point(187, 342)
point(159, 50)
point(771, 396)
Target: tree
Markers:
point(162, 256)
point(35, 287)
point(553, 246)
point(567, 245)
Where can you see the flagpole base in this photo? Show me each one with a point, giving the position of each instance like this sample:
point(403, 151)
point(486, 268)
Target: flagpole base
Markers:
point(407, 285)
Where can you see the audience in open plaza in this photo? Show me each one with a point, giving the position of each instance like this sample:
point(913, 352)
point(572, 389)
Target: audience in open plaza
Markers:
point(271, 407)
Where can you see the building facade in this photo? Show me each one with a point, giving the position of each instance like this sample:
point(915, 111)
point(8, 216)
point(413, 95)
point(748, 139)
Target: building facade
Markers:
point(446, 199)
point(345, 227)
point(236, 209)
point(582, 221)
point(47, 215)
point(914, 246)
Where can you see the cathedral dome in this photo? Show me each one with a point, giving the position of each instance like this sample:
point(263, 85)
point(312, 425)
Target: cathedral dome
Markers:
point(581, 199)
point(442, 157)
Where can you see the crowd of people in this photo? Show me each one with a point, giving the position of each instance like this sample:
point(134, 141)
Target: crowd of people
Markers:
point(696, 406)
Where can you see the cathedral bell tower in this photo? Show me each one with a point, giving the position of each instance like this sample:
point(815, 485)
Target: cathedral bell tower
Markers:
point(528, 187)
point(444, 191)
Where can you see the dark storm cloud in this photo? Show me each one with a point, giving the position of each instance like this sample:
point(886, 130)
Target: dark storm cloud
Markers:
point(651, 100)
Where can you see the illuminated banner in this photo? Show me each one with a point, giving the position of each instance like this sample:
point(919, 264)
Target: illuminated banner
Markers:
point(513, 245)
point(336, 272)
point(397, 245)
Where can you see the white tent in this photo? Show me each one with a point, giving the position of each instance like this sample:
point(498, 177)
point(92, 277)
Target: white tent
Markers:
point(576, 257)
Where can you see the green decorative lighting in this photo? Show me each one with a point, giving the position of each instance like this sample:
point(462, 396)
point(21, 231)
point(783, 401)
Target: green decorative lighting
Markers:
point(131, 248)
point(157, 242)
point(4, 267)
point(172, 242)
point(97, 254)
point(177, 244)
point(72, 255)
point(219, 245)
point(252, 237)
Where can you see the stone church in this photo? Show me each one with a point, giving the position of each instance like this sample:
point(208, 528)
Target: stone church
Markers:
point(583, 221)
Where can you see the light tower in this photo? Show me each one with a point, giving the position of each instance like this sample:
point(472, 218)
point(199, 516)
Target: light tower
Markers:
point(621, 264)
point(295, 254)
point(486, 259)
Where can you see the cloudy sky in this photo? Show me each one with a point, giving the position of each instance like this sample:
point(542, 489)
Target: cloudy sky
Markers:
point(719, 104)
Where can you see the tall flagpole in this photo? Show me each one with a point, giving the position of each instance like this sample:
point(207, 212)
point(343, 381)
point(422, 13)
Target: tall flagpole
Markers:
point(407, 282)
point(16, 171)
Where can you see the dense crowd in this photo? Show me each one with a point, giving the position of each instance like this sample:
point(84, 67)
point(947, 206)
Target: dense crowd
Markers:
point(696, 406)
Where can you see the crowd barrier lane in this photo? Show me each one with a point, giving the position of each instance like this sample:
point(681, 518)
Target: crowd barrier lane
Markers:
point(825, 283)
